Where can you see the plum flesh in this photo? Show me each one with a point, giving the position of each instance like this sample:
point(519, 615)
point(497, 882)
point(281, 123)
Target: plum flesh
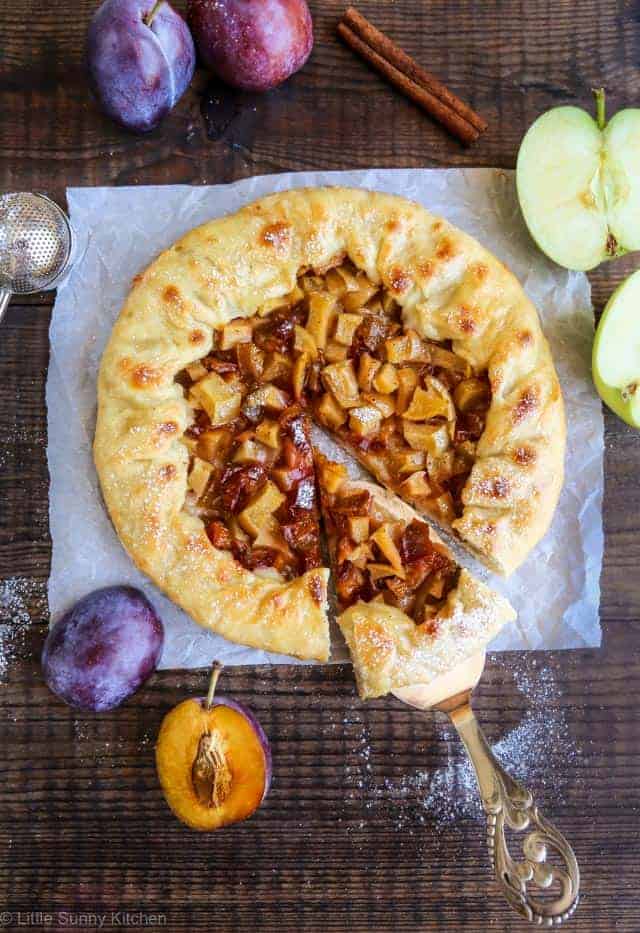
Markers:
point(103, 649)
point(141, 59)
point(213, 761)
point(252, 44)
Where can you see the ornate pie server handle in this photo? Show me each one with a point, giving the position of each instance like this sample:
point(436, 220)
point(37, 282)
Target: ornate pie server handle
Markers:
point(509, 804)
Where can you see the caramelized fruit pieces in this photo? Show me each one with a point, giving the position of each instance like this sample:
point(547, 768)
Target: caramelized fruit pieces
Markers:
point(220, 400)
point(213, 760)
point(336, 344)
point(258, 497)
point(378, 555)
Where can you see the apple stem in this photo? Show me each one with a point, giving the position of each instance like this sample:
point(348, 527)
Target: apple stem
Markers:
point(149, 18)
point(601, 118)
point(213, 681)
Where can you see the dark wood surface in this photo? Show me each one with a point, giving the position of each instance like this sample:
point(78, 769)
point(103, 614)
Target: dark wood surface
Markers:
point(357, 833)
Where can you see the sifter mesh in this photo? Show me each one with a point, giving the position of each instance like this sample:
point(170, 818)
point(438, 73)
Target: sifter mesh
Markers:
point(35, 242)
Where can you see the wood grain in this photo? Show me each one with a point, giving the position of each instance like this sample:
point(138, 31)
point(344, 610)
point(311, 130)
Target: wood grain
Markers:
point(345, 839)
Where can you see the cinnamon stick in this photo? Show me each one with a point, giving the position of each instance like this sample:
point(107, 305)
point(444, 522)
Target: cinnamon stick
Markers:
point(403, 62)
point(410, 78)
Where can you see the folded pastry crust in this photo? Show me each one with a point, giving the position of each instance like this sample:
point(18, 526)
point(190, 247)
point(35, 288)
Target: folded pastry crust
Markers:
point(449, 288)
point(389, 650)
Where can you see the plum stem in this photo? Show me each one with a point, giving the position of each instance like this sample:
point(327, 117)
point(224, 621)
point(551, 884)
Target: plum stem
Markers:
point(601, 113)
point(149, 18)
point(216, 670)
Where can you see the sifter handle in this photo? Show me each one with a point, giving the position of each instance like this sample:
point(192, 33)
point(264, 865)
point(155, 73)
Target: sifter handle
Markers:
point(5, 298)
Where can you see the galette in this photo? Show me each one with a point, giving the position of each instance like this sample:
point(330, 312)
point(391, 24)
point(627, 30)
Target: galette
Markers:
point(403, 338)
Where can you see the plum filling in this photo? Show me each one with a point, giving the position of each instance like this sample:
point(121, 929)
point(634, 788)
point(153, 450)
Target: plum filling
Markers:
point(335, 345)
point(251, 474)
point(381, 559)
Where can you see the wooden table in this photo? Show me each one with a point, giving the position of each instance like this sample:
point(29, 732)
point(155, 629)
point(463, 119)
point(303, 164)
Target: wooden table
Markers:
point(360, 831)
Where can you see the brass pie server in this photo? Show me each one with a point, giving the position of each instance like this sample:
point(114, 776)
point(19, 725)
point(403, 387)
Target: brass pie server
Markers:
point(507, 804)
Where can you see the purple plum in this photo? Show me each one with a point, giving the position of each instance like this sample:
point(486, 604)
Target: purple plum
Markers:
point(252, 44)
point(103, 649)
point(141, 58)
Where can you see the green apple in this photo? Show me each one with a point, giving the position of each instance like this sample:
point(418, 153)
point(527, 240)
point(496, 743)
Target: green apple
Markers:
point(616, 352)
point(578, 184)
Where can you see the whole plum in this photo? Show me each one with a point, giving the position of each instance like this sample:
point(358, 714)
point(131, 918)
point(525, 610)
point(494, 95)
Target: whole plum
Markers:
point(103, 649)
point(141, 58)
point(252, 44)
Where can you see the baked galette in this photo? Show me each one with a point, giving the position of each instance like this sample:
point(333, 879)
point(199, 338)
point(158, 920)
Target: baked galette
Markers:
point(408, 611)
point(394, 331)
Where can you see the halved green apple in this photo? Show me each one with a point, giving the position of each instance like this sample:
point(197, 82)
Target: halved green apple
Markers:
point(578, 183)
point(616, 352)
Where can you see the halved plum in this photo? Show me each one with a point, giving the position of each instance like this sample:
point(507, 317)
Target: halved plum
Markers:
point(213, 760)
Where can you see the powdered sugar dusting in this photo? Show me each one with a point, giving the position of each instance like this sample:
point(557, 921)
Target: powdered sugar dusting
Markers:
point(95, 745)
point(538, 752)
point(22, 601)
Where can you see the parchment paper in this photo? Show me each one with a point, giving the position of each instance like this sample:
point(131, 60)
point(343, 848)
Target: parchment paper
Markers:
point(556, 592)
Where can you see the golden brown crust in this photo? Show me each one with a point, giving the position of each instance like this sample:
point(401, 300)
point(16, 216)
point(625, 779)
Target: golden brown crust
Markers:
point(449, 288)
point(389, 650)
point(172, 547)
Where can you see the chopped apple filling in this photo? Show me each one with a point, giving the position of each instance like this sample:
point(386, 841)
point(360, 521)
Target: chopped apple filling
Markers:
point(365, 420)
point(269, 397)
point(268, 433)
point(254, 489)
point(220, 401)
point(378, 559)
point(334, 345)
point(196, 371)
point(260, 509)
point(199, 476)
point(331, 412)
point(322, 311)
point(335, 352)
point(385, 380)
point(238, 331)
point(346, 326)
point(250, 360)
point(367, 370)
point(340, 380)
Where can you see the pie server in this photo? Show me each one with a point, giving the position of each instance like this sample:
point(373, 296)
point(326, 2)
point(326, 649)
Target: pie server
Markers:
point(507, 804)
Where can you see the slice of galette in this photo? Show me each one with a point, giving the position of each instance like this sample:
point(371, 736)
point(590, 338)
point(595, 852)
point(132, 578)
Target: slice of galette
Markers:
point(408, 611)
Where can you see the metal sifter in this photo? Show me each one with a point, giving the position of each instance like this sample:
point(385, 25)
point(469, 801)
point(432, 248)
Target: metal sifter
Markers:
point(36, 242)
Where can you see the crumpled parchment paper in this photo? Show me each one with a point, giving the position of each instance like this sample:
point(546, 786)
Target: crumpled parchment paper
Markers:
point(556, 592)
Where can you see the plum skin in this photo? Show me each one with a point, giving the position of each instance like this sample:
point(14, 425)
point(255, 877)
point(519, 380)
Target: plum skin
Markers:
point(139, 72)
point(253, 45)
point(103, 649)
